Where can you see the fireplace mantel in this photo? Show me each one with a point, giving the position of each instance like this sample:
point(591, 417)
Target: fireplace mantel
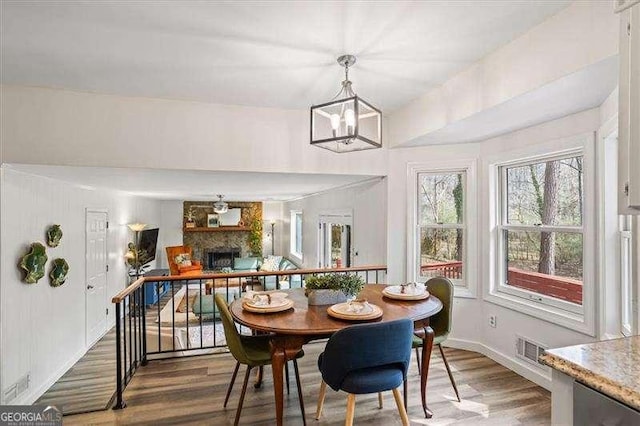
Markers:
point(219, 229)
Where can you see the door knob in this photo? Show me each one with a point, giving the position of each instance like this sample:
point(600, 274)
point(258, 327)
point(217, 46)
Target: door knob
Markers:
point(89, 287)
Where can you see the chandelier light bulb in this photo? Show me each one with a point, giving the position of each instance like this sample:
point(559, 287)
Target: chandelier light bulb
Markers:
point(335, 121)
point(350, 120)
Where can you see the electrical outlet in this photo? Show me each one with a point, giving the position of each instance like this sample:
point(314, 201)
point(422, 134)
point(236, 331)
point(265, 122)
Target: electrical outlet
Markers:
point(493, 321)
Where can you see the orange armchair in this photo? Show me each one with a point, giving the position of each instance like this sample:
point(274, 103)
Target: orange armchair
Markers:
point(172, 252)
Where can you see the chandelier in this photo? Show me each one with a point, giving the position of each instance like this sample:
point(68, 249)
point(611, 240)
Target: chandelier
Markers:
point(220, 206)
point(346, 123)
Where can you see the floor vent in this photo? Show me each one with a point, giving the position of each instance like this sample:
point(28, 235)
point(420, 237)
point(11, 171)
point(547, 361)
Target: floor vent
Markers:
point(529, 350)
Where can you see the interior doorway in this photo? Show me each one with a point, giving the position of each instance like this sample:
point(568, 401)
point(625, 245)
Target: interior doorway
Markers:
point(334, 239)
point(96, 275)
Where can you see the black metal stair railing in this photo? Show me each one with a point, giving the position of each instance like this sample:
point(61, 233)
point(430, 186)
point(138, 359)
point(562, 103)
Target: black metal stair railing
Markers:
point(147, 332)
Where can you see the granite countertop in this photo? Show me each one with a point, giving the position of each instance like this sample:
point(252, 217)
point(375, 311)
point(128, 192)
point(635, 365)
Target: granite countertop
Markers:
point(611, 367)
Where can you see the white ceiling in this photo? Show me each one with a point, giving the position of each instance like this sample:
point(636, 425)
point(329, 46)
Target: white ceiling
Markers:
point(276, 54)
point(195, 184)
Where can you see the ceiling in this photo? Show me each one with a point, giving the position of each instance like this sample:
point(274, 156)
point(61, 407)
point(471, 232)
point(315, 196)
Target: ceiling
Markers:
point(274, 54)
point(195, 184)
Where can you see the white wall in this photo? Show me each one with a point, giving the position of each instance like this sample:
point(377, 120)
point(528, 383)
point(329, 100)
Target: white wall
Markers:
point(170, 225)
point(470, 321)
point(43, 328)
point(578, 36)
point(74, 128)
point(273, 211)
point(368, 202)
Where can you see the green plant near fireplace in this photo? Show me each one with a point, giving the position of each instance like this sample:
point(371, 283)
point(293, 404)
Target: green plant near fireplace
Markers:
point(255, 235)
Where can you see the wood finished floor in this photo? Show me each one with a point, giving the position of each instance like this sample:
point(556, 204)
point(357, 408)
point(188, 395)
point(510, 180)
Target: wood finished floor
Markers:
point(191, 391)
point(90, 383)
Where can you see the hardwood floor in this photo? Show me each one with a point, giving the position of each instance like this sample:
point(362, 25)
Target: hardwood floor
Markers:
point(90, 383)
point(191, 391)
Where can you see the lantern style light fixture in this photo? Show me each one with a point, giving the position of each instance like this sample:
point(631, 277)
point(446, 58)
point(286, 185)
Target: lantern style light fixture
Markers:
point(346, 123)
point(220, 206)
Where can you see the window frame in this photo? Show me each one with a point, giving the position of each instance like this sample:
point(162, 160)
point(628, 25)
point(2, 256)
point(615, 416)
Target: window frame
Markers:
point(503, 225)
point(466, 287)
point(293, 237)
point(627, 295)
point(583, 321)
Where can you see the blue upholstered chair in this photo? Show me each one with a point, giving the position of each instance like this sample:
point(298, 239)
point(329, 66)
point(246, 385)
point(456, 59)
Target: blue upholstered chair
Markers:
point(366, 359)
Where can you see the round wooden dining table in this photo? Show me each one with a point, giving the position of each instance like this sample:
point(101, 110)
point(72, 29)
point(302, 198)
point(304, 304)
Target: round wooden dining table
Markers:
point(291, 329)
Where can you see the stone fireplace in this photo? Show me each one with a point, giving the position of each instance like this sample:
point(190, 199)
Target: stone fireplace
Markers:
point(216, 259)
point(217, 247)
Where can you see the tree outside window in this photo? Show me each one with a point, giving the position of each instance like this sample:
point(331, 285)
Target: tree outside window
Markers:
point(542, 227)
point(442, 225)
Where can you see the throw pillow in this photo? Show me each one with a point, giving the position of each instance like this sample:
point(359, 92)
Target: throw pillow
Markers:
point(183, 259)
point(271, 263)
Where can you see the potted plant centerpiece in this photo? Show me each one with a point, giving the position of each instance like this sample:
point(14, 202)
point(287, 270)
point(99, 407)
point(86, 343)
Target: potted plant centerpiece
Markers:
point(332, 288)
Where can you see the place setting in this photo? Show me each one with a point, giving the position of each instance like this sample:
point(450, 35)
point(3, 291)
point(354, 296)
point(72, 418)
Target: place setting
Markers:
point(355, 310)
point(408, 291)
point(266, 302)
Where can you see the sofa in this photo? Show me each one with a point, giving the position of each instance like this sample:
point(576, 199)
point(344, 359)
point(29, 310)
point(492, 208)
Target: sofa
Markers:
point(279, 263)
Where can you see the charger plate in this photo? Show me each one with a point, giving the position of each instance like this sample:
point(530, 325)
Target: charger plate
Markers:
point(394, 292)
point(278, 305)
point(341, 311)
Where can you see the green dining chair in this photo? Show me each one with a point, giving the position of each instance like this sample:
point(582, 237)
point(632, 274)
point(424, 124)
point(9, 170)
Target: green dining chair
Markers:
point(252, 351)
point(442, 288)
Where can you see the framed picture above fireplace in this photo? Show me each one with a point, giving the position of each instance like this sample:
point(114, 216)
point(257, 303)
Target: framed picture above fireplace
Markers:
point(213, 220)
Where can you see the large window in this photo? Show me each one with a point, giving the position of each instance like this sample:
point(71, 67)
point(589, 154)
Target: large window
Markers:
point(441, 221)
point(442, 226)
point(541, 244)
point(295, 237)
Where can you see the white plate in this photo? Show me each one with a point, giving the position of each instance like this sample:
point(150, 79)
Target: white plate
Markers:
point(355, 311)
point(279, 306)
point(264, 302)
point(418, 292)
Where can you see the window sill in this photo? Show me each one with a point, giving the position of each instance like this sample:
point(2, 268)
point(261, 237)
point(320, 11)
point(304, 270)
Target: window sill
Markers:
point(546, 313)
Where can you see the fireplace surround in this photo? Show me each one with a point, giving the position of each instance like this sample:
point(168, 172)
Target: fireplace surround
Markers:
point(218, 258)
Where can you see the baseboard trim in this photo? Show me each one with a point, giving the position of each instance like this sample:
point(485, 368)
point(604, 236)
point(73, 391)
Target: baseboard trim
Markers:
point(513, 364)
point(30, 398)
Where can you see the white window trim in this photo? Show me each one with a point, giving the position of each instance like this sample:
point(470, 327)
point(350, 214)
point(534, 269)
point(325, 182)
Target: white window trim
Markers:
point(292, 236)
point(583, 321)
point(468, 286)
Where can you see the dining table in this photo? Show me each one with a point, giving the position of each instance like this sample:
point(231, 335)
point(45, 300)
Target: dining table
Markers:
point(291, 329)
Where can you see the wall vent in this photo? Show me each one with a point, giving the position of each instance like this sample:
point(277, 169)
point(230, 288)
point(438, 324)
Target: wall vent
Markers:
point(529, 350)
point(13, 391)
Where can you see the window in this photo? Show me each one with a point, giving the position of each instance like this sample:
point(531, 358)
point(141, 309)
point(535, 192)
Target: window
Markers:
point(295, 240)
point(626, 279)
point(441, 230)
point(540, 228)
point(441, 225)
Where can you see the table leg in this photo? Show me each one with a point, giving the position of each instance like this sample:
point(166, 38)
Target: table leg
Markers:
point(283, 348)
point(427, 337)
point(258, 381)
point(424, 374)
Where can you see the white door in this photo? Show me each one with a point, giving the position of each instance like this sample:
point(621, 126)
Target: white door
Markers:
point(96, 267)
